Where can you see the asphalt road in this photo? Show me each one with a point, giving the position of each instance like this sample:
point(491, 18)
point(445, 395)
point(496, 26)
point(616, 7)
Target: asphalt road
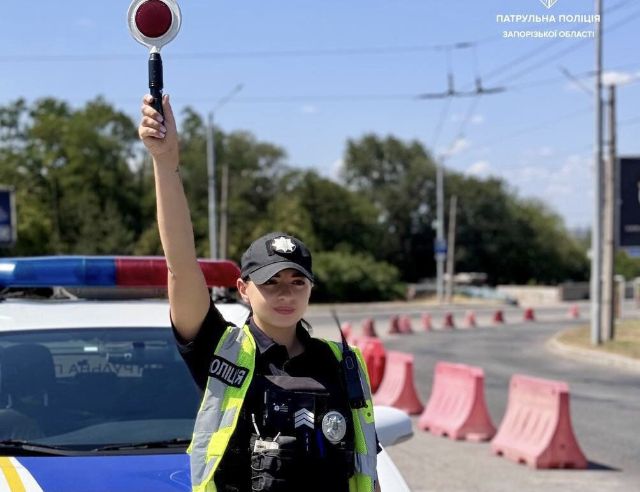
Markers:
point(604, 402)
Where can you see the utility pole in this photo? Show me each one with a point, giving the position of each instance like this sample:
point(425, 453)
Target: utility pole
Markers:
point(224, 207)
point(451, 247)
point(440, 248)
point(596, 239)
point(211, 179)
point(608, 252)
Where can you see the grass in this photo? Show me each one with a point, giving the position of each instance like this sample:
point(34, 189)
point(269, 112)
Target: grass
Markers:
point(626, 342)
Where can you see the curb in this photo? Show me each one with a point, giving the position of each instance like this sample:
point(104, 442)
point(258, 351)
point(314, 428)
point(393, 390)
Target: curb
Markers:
point(596, 357)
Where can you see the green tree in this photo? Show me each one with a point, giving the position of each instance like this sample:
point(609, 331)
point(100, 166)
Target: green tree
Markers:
point(627, 266)
point(71, 169)
point(398, 178)
point(510, 239)
point(354, 277)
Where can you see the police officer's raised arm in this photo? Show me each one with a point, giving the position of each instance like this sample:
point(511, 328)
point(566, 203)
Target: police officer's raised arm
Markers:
point(188, 294)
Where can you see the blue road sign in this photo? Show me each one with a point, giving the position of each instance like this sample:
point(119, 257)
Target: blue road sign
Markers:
point(440, 247)
point(8, 226)
point(628, 202)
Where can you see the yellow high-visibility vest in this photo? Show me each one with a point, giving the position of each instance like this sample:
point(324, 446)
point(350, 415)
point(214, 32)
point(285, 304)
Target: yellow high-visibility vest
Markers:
point(230, 375)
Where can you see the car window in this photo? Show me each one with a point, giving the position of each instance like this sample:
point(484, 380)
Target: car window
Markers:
point(85, 388)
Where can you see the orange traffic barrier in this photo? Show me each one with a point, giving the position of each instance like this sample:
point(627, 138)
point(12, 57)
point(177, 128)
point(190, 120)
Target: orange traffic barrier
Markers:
point(470, 320)
point(574, 312)
point(369, 328)
point(405, 325)
point(456, 407)
point(498, 318)
point(397, 388)
point(448, 323)
point(427, 324)
point(394, 325)
point(529, 315)
point(536, 428)
point(374, 356)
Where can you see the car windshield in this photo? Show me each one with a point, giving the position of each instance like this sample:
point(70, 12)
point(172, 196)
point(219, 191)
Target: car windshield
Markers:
point(88, 388)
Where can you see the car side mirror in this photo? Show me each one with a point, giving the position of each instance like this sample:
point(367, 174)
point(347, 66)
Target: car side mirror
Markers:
point(393, 426)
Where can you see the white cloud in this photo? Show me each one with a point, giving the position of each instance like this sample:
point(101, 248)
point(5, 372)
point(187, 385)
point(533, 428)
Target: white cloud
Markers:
point(336, 167)
point(479, 169)
point(477, 119)
point(616, 78)
point(608, 78)
point(458, 146)
point(332, 171)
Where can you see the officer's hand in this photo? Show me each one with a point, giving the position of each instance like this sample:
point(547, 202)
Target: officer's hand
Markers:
point(159, 137)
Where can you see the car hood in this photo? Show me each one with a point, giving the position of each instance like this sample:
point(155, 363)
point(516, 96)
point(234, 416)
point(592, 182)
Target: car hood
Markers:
point(126, 473)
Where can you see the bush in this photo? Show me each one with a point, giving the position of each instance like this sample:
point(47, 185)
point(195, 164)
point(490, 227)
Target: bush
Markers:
point(352, 277)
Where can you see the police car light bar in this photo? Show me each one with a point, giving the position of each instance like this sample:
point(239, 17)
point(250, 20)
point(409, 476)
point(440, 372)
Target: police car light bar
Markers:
point(104, 271)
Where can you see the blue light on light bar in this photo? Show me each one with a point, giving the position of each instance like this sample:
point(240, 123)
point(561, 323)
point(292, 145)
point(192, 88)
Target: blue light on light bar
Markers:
point(68, 271)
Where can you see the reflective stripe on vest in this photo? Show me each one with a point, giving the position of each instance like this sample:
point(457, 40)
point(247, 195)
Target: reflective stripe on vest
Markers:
point(366, 456)
point(220, 409)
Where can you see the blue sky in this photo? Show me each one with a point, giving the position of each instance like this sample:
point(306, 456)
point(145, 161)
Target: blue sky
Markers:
point(317, 73)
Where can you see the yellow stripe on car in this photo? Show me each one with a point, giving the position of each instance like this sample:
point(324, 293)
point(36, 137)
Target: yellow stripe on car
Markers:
point(14, 477)
point(11, 475)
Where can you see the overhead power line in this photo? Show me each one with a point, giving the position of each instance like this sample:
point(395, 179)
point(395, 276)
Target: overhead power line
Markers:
point(293, 53)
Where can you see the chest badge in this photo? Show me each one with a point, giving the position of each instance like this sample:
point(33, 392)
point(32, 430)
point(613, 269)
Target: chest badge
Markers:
point(334, 426)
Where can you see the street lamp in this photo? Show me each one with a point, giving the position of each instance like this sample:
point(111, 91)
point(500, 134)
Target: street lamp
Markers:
point(211, 179)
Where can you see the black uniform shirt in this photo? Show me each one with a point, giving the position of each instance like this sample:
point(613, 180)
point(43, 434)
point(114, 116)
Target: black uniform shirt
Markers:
point(317, 362)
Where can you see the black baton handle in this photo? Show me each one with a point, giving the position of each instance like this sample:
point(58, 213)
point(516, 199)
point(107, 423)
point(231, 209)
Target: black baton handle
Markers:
point(156, 82)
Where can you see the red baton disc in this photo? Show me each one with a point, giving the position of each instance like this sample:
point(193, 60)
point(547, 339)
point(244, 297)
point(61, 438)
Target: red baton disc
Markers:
point(153, 18)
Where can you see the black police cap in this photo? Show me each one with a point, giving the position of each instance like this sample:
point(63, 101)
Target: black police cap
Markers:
point(273, 253)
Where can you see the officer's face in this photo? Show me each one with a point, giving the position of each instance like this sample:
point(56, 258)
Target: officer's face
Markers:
point(281, 301)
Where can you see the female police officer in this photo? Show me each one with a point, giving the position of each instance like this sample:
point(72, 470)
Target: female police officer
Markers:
point(280, 410)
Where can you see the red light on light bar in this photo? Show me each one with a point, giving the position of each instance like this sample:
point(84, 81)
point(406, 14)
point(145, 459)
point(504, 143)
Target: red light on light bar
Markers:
point(152, 272)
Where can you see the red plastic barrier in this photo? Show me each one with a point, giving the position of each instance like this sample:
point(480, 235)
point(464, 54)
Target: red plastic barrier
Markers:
point(369, 328)
point(448, 323)
point(536, 428)
point(394, 325)
point(529, 315)
point(456, 407)
point(405, 325)
point(574, 312)
point(498, 318)
point(470, 320)
point(375, 357)
point(427, 324)
point(397, 388)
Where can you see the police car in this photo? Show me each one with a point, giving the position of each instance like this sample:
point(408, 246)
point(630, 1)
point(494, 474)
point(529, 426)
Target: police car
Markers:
point(93, 393)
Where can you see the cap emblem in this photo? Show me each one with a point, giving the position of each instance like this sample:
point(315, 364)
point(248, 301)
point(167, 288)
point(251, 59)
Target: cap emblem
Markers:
point(283, 245)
